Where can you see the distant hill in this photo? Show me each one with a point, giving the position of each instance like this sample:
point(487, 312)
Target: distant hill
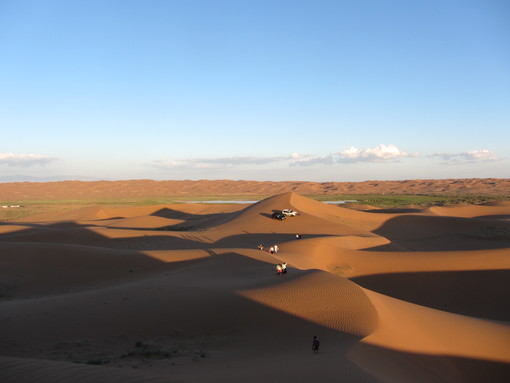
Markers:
point(17, 191)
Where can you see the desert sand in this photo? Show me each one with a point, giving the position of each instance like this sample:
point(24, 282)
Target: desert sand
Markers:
point(103, 295)
point(16, 191)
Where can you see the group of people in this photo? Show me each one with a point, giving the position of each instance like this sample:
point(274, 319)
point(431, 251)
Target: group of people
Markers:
point(281, 268)
point(272, 250)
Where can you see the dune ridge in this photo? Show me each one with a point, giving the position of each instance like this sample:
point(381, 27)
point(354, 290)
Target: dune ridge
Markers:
point(181, 293)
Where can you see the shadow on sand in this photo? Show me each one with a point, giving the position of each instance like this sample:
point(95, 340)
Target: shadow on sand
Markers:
point(474, 293)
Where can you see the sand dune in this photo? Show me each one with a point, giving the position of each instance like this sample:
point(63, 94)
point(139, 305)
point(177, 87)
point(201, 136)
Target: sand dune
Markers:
point(73, 190)
point(181, 293)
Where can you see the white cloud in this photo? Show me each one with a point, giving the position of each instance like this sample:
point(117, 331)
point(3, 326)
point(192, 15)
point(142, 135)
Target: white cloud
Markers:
point(221, 162)
point(468, 157)
point(24, 160)
point(481, 155)
point(378, 154)
point(381, 153)
point(313, 160)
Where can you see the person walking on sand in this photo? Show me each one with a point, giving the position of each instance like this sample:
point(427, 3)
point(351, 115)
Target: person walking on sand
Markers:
point(271, 250)
point(275, 249)
point(284, 268)
point(315, 344)
point(279, 269)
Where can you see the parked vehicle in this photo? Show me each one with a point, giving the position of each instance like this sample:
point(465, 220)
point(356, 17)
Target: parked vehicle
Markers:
point(278, 215)
point(289, 213)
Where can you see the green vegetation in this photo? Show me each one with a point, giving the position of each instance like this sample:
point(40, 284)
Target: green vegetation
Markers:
point(145, 350)
point(402, 200)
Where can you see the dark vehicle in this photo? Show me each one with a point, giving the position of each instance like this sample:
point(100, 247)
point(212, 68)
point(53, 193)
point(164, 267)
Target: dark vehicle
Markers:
point(278, 215)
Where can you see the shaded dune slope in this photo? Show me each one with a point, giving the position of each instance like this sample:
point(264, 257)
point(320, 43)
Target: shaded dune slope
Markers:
point(34, 370)
point(476, 293)
point(423, 232)
point(494, 210)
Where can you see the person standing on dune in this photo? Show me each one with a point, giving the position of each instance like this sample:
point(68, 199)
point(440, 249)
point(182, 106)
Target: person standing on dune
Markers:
point(315, 344)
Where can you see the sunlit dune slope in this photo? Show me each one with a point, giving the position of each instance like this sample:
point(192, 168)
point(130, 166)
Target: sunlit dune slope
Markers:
point(322, 298)
point(343, 255)
point(407, 327)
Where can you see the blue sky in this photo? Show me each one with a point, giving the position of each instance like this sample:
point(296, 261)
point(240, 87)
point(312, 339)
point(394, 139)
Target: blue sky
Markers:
point(256, 90)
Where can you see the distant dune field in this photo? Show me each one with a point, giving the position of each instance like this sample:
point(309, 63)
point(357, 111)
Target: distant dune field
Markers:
point(148, 188)
point(180, 292)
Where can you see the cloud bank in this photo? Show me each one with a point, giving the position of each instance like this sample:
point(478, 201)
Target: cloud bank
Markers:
point(468, 157)
point(24, 160)
point(351, 155)
point(381, 153)
point(221, 162)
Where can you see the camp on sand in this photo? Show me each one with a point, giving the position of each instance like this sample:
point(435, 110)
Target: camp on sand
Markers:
point(106, 295)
